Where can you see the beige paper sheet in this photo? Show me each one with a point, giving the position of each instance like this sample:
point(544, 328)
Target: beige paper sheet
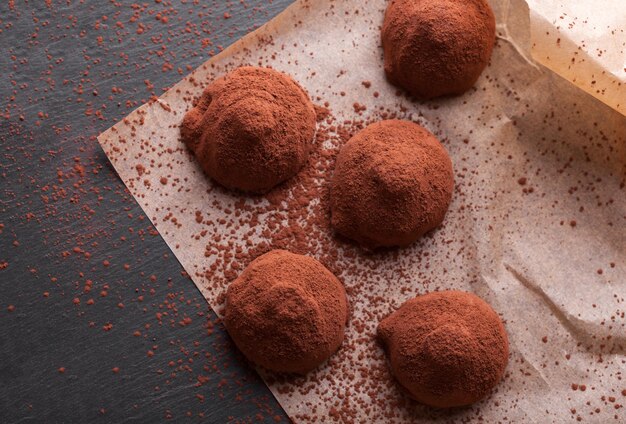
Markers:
point(549, 256)
point(584, 41)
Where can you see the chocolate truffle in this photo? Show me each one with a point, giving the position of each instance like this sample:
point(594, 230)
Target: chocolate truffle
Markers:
point(437, 47)
point(251, 129)
point(286, 312)
point(446, 349)
point(393, 182)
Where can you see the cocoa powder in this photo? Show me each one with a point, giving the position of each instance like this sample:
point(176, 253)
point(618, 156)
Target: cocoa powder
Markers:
point(446, 348)
point(251, 129)
point(437, 47)
point(392, 184)
point(286, 312)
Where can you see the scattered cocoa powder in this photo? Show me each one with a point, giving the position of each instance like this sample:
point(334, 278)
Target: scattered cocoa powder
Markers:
point(251, 129)
point(103, 67)
point(286, 312)
point(50, 123)
point(435, 48)
point(392, 184)
point(447, 348)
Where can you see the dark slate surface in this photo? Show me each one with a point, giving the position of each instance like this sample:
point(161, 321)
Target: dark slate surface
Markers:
point(98, 323)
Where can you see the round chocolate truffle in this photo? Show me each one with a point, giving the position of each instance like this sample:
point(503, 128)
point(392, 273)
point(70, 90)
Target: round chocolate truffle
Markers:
point(393, 182)
point(286, 312)
point(437, 47)
point(251, 129)
point(446, 349)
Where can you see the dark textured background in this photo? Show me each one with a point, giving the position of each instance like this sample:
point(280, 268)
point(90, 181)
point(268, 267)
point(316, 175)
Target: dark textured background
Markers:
point(98, 322)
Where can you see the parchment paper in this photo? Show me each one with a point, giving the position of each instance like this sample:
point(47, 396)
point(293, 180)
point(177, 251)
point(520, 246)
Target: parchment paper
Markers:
point(536, 227)
point(585, 43)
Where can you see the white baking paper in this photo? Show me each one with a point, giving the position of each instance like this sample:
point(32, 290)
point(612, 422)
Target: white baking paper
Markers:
point(584, 42)
point(536, 226)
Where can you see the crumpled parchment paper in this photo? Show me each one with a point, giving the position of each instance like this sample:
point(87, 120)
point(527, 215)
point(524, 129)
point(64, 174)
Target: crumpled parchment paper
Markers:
point(585, 43)
point(537, 225)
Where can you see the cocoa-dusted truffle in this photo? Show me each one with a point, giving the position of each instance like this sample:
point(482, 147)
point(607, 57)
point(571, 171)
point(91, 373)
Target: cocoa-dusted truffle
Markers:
point(437, 47)
point(393, 182)
point(251, 129)
point(446, 349)
point(286, 312)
